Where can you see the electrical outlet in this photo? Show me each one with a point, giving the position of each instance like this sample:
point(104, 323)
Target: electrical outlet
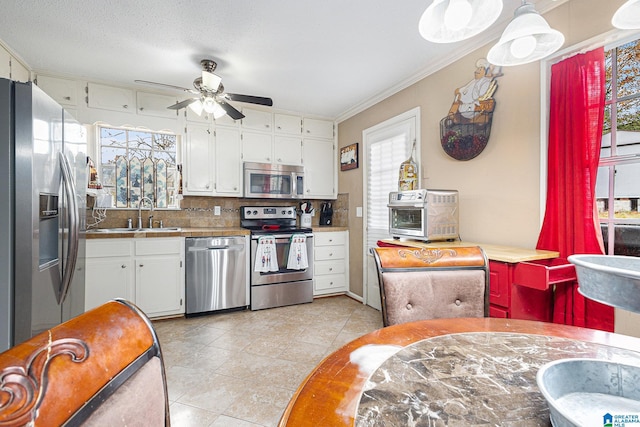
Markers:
point(216, 210)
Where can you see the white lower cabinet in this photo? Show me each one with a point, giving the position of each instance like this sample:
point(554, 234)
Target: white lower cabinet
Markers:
point(147, 271)
point(331, 262)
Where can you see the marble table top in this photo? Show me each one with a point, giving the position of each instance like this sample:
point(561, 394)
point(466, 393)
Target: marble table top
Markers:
point(470, 379)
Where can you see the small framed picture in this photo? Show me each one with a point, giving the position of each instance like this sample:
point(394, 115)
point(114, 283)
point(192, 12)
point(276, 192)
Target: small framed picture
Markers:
point(349, 157)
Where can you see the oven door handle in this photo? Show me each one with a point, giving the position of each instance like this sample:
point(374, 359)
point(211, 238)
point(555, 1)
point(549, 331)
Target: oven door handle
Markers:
point(284, 236)
point(408, 206)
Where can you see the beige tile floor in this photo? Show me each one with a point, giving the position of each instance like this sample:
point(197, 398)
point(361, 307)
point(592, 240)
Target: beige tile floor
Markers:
point(240, 369)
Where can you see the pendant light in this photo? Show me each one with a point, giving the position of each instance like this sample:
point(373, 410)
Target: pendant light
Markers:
point(447, 21)
point(628, 16)
point(527, 38)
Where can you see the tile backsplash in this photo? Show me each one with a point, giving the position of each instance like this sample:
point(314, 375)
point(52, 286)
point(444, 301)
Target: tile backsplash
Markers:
point(199, 212)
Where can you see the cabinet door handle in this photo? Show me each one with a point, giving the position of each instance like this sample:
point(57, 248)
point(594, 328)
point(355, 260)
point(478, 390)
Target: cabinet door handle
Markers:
point(330, 268)
point(123, 266)
point(141, 265)
point(125, 106)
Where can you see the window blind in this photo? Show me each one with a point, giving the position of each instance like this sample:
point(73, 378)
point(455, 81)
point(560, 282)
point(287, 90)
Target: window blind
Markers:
point(384, 158)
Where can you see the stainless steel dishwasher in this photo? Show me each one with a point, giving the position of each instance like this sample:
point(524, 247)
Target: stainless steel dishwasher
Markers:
point(216, 273)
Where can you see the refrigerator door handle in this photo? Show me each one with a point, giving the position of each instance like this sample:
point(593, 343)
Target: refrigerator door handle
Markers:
point(69, 266)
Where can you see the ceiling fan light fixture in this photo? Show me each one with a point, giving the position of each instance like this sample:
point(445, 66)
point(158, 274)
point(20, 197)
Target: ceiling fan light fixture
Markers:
point(218, 111)
point(448, 21)
point(627, 17)
point(196, 107)
point(527, 38)
point(210, 81)
point(209, 104)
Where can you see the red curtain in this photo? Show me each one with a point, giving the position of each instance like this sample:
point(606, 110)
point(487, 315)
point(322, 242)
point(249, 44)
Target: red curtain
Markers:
point(571, 220)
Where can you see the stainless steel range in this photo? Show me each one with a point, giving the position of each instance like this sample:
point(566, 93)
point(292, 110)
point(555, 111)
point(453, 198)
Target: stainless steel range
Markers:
point(274, 228)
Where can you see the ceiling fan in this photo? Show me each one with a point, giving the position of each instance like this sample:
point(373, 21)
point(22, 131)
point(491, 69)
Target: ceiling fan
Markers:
point(211, 95)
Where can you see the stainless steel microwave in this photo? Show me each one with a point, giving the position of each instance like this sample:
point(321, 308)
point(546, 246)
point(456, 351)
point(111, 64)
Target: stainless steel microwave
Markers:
point(424, 214)
point(267, 181)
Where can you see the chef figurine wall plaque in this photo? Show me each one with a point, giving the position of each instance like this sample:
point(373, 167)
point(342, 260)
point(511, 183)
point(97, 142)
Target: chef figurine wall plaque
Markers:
point(465, 131)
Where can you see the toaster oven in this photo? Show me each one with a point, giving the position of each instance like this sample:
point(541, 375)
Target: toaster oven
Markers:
point(427, 215)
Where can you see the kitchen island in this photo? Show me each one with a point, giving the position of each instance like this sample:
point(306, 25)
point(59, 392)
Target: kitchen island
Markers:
point(522, 280)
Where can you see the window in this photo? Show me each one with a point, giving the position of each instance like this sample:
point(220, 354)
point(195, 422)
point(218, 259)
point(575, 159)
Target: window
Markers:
point(387, 147)
point(618, 181)
point(136, 164)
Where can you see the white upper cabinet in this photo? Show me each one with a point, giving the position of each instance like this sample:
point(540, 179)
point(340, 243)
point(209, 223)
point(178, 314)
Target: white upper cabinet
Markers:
point(111, 98)
point(257, 120)
point(287, 124)
point(228, 162)
point(197, 172)
point(19, 72)
point(287, 150)
point(319, 160)
point(154, 104)
point(226, 121)
point(314, 128)
point(5, 63)
point(64, 91)
point(256, 147)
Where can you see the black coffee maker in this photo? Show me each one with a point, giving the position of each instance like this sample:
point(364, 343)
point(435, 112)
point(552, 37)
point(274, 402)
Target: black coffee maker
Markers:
point(326, 213)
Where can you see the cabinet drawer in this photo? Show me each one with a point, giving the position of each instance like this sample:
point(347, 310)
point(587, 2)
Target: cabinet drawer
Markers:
point(159, 246)
point(542, 274)
point(109, 248)
point(332, 281)
point(329, 252)
point(329, 267)
point(330, 238)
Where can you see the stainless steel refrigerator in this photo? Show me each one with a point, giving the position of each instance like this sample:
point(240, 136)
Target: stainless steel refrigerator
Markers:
point(43, 181)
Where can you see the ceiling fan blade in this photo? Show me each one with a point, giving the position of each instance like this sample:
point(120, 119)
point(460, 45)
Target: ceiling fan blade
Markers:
point(232, 112)
point(184, 89)
point(210, 81)
point(182, 104)
point(250, 99)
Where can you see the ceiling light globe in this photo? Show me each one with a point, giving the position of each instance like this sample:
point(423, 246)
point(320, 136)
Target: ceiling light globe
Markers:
point(627, 17)
point(209, 105)
point(527, 24)
point(196, 107)
point(218, 111)
point(458, 14)
point(523, 46)
point(440, 22)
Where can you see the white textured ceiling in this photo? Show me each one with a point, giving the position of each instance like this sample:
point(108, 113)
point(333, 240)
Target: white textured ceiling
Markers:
point(328, 58)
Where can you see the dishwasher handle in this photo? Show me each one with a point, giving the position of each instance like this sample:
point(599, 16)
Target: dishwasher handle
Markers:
point(215, 248)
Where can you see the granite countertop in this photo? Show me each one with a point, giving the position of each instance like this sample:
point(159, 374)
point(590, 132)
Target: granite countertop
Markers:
point(191, 232)
point(482, 378)
point(509, 254)
point(183, 232)
point(324, 228)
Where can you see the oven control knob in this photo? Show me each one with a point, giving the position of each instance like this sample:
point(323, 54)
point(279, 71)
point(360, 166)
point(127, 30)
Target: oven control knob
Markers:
point(255, 212)
point(247, 212)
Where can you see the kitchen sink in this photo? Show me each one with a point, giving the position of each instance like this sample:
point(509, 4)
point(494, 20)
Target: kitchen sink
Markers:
point(134, 230)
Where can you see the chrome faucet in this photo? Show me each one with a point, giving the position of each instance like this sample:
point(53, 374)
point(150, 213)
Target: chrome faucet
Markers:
point(140, 212)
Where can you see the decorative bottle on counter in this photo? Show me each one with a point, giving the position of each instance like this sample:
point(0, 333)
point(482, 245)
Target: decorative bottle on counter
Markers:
point(408, 177)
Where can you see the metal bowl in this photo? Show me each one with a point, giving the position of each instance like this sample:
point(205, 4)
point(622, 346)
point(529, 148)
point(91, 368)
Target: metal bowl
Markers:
point(588, 392)
point(610, 279)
